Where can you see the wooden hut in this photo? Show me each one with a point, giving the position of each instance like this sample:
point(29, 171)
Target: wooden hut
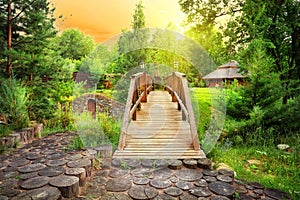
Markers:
point(226, 72)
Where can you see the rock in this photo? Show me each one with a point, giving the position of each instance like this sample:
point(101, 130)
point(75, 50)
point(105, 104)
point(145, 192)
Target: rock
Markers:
point(118, 185)
point(189, 175)
point(35, 182)
point(283, 146)
point(68, 185)
point(44, 193)
point(221, 188)
point(142, 192)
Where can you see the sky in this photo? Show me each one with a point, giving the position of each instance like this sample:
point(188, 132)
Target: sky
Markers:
point(103, 19)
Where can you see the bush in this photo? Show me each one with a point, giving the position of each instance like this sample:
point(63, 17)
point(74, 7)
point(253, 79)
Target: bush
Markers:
point(14, 103)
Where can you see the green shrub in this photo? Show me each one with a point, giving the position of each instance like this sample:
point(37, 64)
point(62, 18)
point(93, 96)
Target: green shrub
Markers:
point(14, 103)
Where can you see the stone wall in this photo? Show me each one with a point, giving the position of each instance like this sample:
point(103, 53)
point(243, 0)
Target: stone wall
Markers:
point(103, 104)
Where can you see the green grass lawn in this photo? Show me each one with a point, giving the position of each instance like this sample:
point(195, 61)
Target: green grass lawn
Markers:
point(276, 169)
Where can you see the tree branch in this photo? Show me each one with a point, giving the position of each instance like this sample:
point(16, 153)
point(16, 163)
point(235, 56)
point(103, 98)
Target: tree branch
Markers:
point(23, 9)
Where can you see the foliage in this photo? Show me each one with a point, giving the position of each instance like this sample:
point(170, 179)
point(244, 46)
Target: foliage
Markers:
point(76, 143)
point(14, 103)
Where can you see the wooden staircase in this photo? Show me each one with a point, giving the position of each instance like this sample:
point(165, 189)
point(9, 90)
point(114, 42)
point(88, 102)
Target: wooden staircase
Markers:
point(159, 132)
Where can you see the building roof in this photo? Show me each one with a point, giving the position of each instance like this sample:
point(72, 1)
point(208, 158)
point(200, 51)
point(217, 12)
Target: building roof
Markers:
point(228, 70)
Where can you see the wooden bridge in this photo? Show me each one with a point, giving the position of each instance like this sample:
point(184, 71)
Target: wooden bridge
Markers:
point(159, 124)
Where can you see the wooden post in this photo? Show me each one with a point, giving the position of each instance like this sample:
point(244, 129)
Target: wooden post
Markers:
point(144, 87)
point(92, 107)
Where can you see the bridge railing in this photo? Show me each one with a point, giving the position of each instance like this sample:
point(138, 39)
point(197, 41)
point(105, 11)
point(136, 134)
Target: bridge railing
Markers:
point(140, 85)
point(177, 86)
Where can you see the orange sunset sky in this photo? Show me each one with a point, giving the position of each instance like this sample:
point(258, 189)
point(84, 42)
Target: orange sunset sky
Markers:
point(102, 19)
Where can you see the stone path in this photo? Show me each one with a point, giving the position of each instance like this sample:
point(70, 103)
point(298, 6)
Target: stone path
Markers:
point(45, 169)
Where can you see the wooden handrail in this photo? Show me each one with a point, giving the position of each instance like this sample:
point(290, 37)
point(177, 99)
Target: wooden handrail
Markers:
point(140, 85)
point(177, 86)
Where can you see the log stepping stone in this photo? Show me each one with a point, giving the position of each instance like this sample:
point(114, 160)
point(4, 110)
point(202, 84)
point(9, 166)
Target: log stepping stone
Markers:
point(56, 156)
point(258, 191)
point(224, 178)
point(52, 171)
point(29, 175)
point(204, 163)
point(184, 185)
point(190, 163)
point(39, 160)
point(218, 197)
point(9, 192)
point(115, 196)
point(10, 169)
point(81, 163)
point(160, 163)
point(226, 172)
point(105, 151)
point(160, 183)
point(162, 173)
point(131, 163)
point(241, 189)
point(174, 179)
point(276, 194)
point(68, 185)
point(200, 192)
point(142, 192)
point(117, 173)
point(148, 163)
point(116, 162)
point(189, 175)
point(101, 181)
point(78, 172)
point(48, 152)
point(141, 172)
point(256, 185)
point(74, 157)
point(201, 183)
point(31, 168)
point(46, 192)
point(188, 197)
point(118, 185)
point(210, 179)
point(35, 182)
point(173, 191)
point(55, 163)
point(221, 188)
point(210, 172)
point(175, 164)
point(34, 156)
point(7, 175)
point(19, 163)
point(140, 181)
point(164, 197)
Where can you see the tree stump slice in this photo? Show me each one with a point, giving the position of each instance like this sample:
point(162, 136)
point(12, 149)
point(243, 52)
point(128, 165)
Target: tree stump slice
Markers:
point(210, 179)
point(132, 163)
point(30, 133)
point(173, 191)
point(48, 152)
point(78, 172)
point(118, 185)
point(10, 169)
point(164, 197)
point(189, 175)
point(184, 185)
point(105, 151)
point(82, 163)
point(34, 156)
point(221, 188)
point(44, 193)
point(241, 189)
point(258, 191)
point(7, 175)
point(148, 163)
point(23, 135)
point(210, 172)
point(35, 182)
point(117, 173)
point(204, 163)
point(201, 183)
point(160, 163)
point(276, 194)
point(141, 181)
point(68, 185)
point(162, 173)
point(55, 163)
point(227, 172)
point(160, 183)
point(200, 192)
point(52, 171)
point(188, 197)
point(19, 163)
point(116, 162)
point(28, 175)
point(31, 168)
point(190, 163)
point(256, 185)
point(218, 197)
point(175, 164)
point(74, 157)
point(174, 179)
point(224, 178)
point(56, 156)
point(142, 192)
point(115, 196)
point(141, 172)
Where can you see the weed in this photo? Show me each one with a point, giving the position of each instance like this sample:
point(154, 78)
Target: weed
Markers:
point(76, 143)
point(124, 165)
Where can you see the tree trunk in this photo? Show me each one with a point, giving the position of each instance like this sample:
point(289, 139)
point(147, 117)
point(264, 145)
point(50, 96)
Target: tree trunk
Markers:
point(9, 39)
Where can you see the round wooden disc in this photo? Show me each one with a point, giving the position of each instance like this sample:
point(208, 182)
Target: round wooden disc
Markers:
point(208, 172)
point(276, 194)
point(222, 188)
point(200, 192)
point(142, 192)
point(164, 197)
point(189, 175)
point(140, 181)
point(31, 168)
point(190, 163)
point(54, 163)
point(68, 185)
point(141, 172)
point(115, 196)
point(204, 163)
point(117, 173)
point(162, 173)
point(79, 163)
point(118, 185)
point(35, 182)
point(184, 185)
point(160, 183)
point(173, 191)
point(223, 178)
point(46, 192)
point(52, 171)
point(201, 183)
point(218, 197)
point(19, 163)
point(175, 164)
point(188, 197)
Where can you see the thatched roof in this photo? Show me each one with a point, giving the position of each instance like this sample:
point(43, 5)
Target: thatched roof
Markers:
point(229, 70)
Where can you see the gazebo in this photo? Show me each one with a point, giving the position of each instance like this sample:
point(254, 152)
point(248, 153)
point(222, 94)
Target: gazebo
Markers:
point(226, 72)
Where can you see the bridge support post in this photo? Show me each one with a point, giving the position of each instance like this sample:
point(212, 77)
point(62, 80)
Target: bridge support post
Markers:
point(144, 87)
